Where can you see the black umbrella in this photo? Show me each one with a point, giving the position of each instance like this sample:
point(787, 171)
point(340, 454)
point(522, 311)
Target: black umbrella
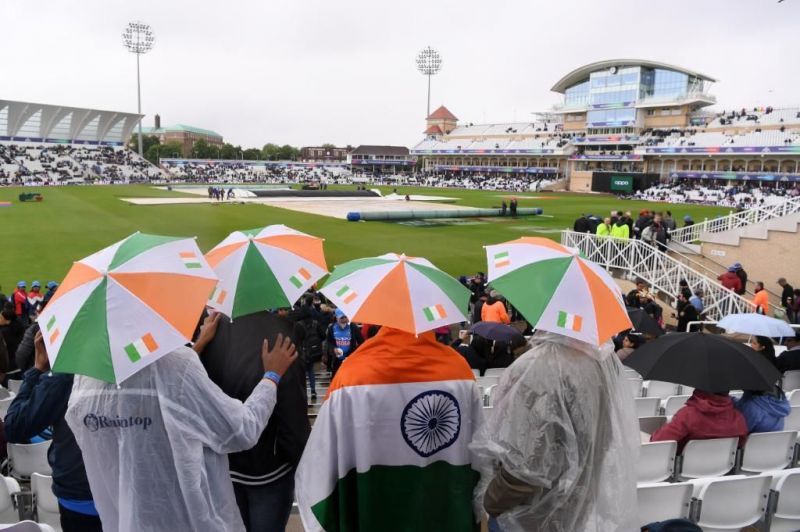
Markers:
point(498, 332)
point(644, 323)
point(709, 362)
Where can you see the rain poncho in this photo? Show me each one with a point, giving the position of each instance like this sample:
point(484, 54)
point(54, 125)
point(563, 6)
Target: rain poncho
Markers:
point(563, 423)
point(155, 447)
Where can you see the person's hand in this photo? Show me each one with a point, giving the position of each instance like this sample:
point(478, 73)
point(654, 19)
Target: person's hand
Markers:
point(280, 356)
point(207, 332)
point(338, 352)
point(41, 362)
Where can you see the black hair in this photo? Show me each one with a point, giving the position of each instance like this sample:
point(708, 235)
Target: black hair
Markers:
point(769, 349)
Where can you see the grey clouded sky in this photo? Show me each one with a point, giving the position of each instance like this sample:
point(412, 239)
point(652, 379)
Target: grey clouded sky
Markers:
point(313, 71)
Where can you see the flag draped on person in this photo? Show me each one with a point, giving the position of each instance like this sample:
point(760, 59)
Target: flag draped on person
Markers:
point(389, 450)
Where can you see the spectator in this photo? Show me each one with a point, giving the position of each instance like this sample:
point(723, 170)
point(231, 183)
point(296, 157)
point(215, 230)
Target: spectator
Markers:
point(12, 330)
point(669, 223)
point(796, 306)
point(687, 221)
point(52, 286)
point(166, 469)
point(656, 234)
point(686, 312)
point(764, 411)
point(789, 360)
point(761, 299)
point(704, 416)
point(309, 337)
point(469, 349)
point(343, 339)
point(582, 225)
point(697, 301)
point(737, 267)
point(42, 403)
point(494, 310)
point(620, 229)
point(604, 229)
point(630, 343)
point(730, 280)
point(20, 300)
point(787, 298)
point(35, 299)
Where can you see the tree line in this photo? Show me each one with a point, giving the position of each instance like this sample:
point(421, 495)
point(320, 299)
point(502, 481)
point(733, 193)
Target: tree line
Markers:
point(153, 150)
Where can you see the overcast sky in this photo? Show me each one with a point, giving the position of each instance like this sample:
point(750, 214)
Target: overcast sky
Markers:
point(313, 71)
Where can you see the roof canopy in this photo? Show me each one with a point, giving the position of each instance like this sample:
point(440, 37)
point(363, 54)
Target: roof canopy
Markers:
point(582, 73)
point(380, 150)
point(182, 127)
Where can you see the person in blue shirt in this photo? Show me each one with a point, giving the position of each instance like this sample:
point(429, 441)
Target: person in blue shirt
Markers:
point(764, 411)
point(343, 338)
point(41, 403)
point(697, 300)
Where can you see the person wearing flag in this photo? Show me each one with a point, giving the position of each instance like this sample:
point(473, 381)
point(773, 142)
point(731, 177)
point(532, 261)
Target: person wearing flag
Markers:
point(155, 446)
point(390, 448)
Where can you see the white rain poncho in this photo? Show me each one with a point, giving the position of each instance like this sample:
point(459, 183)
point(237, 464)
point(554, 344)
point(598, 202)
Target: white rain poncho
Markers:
point(563, 422)
point(155, 448)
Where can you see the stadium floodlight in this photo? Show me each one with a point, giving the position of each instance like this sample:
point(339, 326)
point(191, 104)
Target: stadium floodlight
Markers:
point(429, 62)
point(138, 38)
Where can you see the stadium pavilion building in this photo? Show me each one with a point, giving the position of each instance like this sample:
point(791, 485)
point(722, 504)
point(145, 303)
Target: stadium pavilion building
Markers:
point(635, 119)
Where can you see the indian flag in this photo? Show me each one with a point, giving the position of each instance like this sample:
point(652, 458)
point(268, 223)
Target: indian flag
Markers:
point(190, 260)
point(390, 447)
point(141, 347)
point(573, 322)
point(501, 259)
point(52, 330)
point(347, 294)
point(302, 276)
point(218, 295)
point(434, 313)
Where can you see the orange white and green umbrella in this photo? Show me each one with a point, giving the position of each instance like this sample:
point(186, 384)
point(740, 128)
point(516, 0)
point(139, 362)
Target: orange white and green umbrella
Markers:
point(265, 268)
point(124, 307)
point(557, 290)
point(406, 293)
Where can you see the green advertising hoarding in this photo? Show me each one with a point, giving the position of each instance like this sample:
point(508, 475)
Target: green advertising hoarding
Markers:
point(622, 183)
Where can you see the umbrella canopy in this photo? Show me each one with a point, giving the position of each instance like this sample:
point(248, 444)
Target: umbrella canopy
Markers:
point(406, 293)
point(557, 290)
point(263, 269)
point(498, 332)
point(756, 324)
point(709, 362)
point(124, 307)
point(643, 322)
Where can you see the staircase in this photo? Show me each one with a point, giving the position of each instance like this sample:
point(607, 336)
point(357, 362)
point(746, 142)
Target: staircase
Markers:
point(664, 273)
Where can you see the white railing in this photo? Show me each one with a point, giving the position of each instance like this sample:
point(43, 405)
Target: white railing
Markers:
point(659, 270)
point(736, 220)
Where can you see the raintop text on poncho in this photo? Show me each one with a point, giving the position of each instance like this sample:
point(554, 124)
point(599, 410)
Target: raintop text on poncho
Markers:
point(563, 422)
point(156, 447)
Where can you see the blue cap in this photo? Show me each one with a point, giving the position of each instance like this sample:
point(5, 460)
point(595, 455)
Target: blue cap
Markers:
point(36, 284)
point(737, 266)
point(52, 284)
point(339, 313)
point(22, 284)
point(687, 218)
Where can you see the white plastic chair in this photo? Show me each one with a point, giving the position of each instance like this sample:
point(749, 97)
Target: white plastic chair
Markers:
point(793, 397)
point(14, 385)
point(651, 424)
point(708, 458)
point(488, 381)
point(792, 421)
point(26, 526)
point(731, 503)
point(476, 372)
point(662, 501)
point(791, 380)
point(494, 372)
point(45, 501)
point(5, 393)
point(4, 404)
point(631, 374)
point(26, 459)
point(9, 487)
point(656, 461)
point(488, 398)
point(635, 386)
point(674, 403)
point(685, 390)
point(660, 389)
point(768, 451)
point(647, 406)
point(786, 516)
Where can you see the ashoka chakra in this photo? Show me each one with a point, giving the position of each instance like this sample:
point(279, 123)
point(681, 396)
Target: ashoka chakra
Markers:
point(431, 422)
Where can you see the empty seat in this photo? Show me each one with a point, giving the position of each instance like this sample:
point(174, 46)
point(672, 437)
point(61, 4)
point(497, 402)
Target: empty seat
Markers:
point(26, 459)
point(791, 380)
point(730, 503)
point(660, 389)
point(662, 501)
point(686, 390)
point(4, 404)
point(635, 386)
point(792, 421)
point(631, 374)
point(768, 451)
point(488, 398)
point(647, 406)
point(476, 372)
point(786, 488)
point(14, 385)
point(27, 526)
point(793, 397)
point(674, 403)
point(488, 381)
point(45, 501)
point(9, 488)
point(5, 393)
point(651, 424)
point(494, 372)
point(656, 461)
point(708, 458)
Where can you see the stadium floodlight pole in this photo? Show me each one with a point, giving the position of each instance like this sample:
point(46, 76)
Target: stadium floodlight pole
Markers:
point(429, 62)
point(138, 38)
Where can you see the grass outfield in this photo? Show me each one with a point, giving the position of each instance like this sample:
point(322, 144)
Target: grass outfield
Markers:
point(41, 240)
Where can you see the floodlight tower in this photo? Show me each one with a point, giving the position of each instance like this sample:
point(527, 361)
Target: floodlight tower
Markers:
point(429, 62)
point(138, 38)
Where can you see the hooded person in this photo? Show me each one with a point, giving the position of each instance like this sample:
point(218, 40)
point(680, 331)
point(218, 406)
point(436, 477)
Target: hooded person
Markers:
point(494, 310)
point(155, 447)
point(764, 411)
point(620, 228)
point(558, 453)
point(389, 450)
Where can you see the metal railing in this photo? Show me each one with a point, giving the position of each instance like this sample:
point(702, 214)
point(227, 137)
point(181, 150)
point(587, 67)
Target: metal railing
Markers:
point(659, 270)
point(736, 220)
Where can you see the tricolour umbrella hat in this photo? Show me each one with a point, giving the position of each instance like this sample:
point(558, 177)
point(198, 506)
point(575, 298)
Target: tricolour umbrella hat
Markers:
point(126, 306)
point(265, 268)
point(406, 293)
point(557, 290)
point(709, 362)
point(757, 325)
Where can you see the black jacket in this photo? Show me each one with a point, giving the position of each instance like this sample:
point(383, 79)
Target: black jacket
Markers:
point(41, 403)
point(233, 362)
point(788, 360)
point(581, 225)
point(786, 295)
